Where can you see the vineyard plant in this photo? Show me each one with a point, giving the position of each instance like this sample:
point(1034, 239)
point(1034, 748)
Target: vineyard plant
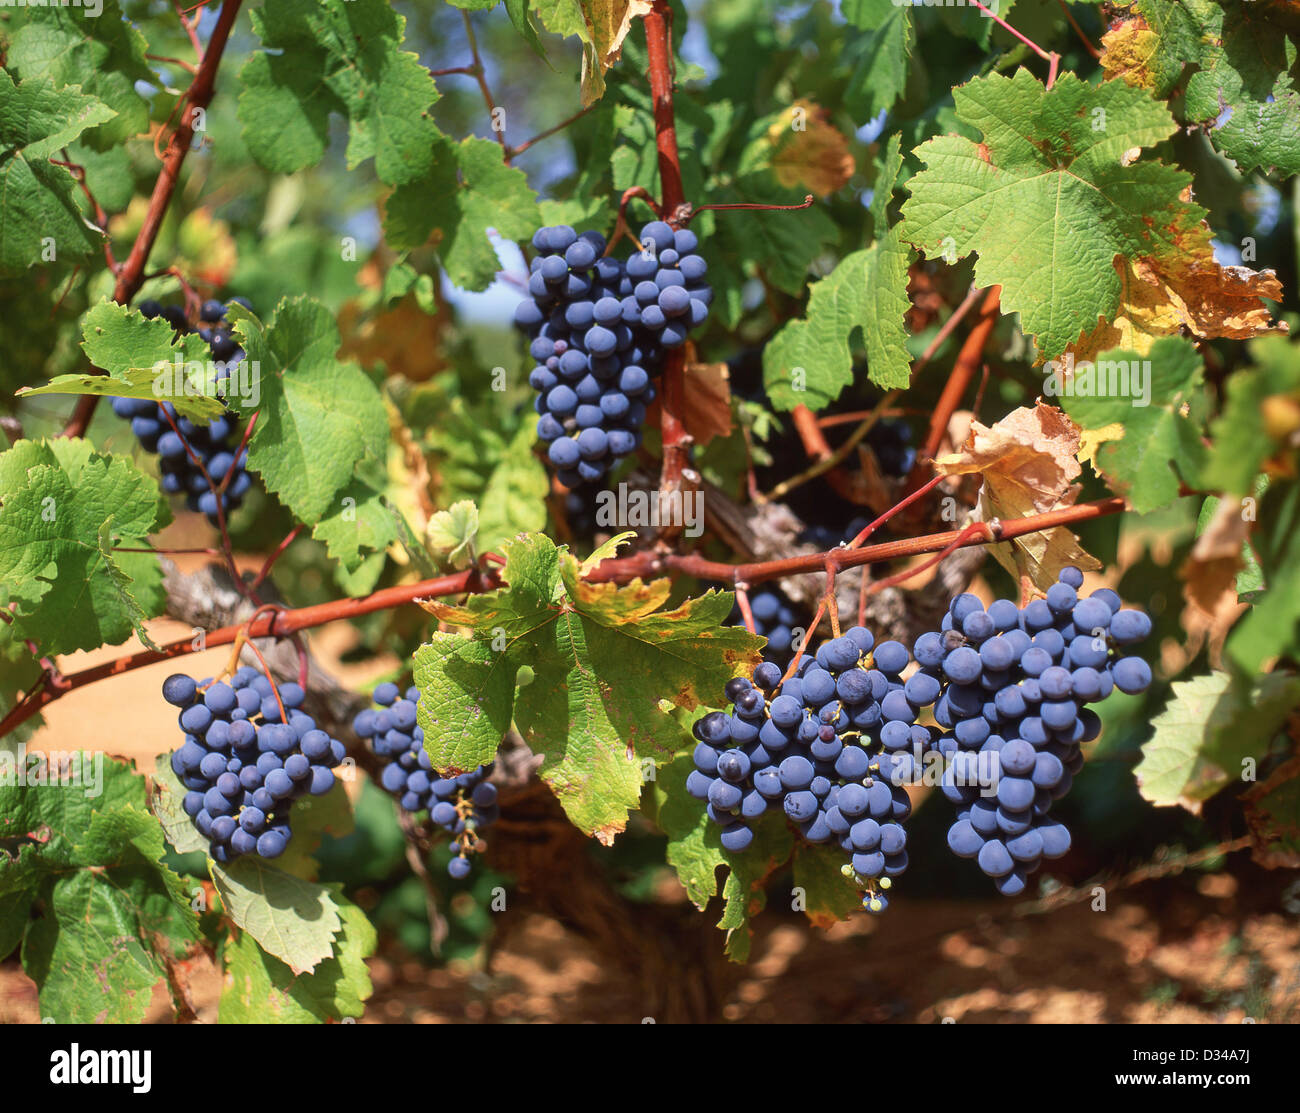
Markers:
point(672, 477)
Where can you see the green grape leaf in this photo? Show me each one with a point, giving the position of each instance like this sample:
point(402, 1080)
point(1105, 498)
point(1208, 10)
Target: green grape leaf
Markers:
point(327, 57)
point(1213, 730)
point(500, 474)
point(365, 522)
point(319, 418)
point(1259, 415)
point(103, 57)
point(468, 190)
point(260, 989)
point(453, 533)
point(1271, 628)
point(810, 361)
point(1050, 197)
point(826, 896)
point(165, 803)
point(603, 658)
point(695, 852)
point(1241, 87)
point(143, 360)
point(517, 10)
point(291, 918)
point(1150, 410)
point(745, 891)
point(58, 498)
point(40, 211)
point(882, 57)
point(113, 914)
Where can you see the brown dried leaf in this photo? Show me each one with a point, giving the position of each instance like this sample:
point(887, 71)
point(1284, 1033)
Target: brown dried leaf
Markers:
point(405, 338)
point(1028, 462)
point(809, 151)
point(708, 401)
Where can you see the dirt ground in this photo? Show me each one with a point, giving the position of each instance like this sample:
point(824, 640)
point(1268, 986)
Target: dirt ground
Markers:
point(1177, 952)
point(1192, 948)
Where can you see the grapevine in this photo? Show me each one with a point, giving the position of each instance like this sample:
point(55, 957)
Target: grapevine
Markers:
point(780, 467)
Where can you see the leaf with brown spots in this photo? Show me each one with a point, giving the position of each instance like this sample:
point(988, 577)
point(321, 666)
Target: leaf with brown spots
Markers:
point(602, 657)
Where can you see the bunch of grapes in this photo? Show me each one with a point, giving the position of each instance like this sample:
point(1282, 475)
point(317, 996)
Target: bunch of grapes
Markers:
point(178, 442)
point(246, 758)
point(832, 747)
point(1015, 682)
point(598, 334)
point(461, 805)
point(775, 619)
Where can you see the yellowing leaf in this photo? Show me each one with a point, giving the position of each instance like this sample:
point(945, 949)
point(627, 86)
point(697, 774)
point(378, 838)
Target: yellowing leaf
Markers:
point(1028, 461)
point(1184, 290)
point(809, 150)
point(1128, 50)
point(608, 23)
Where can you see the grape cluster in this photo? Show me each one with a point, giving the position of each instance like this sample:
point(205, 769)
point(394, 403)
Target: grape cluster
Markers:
point(244, 764)
point(599, 327)
point(832, 747)
point(1015, 682)
point(775, 619)
point(160, 430)
point(461, 805)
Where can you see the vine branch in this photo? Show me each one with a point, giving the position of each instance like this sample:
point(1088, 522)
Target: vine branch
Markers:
point(130, 276)
point(284, 622)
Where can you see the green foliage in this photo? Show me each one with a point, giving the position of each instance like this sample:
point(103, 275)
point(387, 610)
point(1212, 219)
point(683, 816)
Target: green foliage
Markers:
point(63, 504)
point(38, 207)
point(394, 432)
point(99, 916)
point(602, 659)
point(1050, 196)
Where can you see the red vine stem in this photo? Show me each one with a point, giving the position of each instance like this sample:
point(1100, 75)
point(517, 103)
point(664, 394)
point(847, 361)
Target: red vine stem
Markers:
point(672, 401)
point(723, 205)
point(616, 570)
point(279, 623)
point(131, 275)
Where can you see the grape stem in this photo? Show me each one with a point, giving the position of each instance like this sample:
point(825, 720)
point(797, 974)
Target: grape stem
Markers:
point(723, 206)
point(674, 472)
point(513, 152)
point(130, 275)
point(481, 77)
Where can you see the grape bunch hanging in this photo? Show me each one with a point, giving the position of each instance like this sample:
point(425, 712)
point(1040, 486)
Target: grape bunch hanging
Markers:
point(462, 805)
point(1016, 682)
point(834, 744)
point(249, 753)
point(181, 445)
point(831, 746)
point(599, 327)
